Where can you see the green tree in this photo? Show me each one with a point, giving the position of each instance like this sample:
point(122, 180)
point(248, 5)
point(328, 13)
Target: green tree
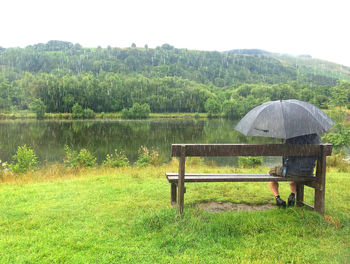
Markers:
point(88, 113)
point(233, 109)
point(340, 134)
point(137, 111)
point(77, 111)
point(212, 107)
point(38, 107)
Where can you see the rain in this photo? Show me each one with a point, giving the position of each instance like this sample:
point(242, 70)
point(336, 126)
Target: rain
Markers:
point(122, 122)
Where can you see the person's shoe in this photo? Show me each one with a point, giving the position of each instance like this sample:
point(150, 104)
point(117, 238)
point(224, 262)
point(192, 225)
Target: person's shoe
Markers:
point(280, 202)
point(291, 200)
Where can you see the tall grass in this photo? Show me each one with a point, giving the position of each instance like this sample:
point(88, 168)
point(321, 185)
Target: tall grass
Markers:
point(123, 215)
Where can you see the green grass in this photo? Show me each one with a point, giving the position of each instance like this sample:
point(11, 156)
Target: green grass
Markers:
point(124, 216)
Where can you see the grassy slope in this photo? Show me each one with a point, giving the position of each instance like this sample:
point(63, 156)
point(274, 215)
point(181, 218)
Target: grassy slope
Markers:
point(124, 216)
point(315, 66)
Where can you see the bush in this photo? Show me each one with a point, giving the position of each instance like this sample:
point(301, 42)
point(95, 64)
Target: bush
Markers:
point(339, 139)
point(195, 161)
point(77, 111)
point(340, 161)
point(82, 159)
point(154, 158)
point(137, 111)
point(212, 107)
point(250, 162)
point(126, 113)
point(233, 109)
point(340, 133)
point(38, 107)
point(146, 158)
point(25, 159)
point(3, 169)
point(88, 113)
point(118, 159)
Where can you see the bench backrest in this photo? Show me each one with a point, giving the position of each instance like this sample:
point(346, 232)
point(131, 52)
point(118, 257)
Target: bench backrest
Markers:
point(206, 150)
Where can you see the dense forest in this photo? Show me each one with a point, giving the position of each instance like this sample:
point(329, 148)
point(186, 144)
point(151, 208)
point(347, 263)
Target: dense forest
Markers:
point(61, 74)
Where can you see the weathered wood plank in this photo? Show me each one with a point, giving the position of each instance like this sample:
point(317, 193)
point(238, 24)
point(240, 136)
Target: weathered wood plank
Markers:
point(206, 150)
point(307, 205)
point(233, 177)
point(173, 193)
point(321, 180)
point(181, 179)
point(313, 184)
point(300, 193)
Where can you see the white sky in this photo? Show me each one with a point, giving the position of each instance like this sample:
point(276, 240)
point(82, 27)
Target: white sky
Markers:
point(316, 27)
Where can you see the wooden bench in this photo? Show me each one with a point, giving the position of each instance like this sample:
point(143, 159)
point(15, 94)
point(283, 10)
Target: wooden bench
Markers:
point(317, 181)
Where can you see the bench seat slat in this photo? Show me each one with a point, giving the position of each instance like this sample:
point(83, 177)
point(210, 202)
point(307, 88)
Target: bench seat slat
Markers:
point(233, 177)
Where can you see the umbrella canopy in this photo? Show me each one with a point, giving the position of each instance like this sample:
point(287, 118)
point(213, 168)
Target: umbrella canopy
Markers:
point(284, 119)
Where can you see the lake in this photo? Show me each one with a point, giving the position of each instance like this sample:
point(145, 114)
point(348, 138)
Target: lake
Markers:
point(101, 137)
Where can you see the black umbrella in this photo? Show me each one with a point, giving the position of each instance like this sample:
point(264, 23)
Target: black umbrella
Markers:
point(284, 119)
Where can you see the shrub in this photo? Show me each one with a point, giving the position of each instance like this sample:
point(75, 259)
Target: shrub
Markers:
point(25, 159)
point(195, 161)
point(82, 159)
point(340, 133)
point(126, 113)
point(146, 158)
point(88, 113)
point(118, 159)
point(137, 111)
point(339, 139)
point(77, 111)
point(3, 169)
point(154, 158)
point(212, 107)
point(233, 109)
point(250, 162)
point(339, 160)
point(38, 107)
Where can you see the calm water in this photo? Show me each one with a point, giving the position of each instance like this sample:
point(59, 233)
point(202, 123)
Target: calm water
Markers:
point(48, 138)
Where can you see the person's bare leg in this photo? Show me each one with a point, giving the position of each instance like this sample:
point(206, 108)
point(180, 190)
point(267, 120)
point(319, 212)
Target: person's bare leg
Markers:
point(293, 187)
point(274, 188)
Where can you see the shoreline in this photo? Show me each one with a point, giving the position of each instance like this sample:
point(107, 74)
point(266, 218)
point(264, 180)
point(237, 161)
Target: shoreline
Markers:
point(98, 116)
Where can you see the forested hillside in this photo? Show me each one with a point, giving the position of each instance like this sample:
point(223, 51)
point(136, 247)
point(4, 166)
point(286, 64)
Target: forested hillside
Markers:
point(61, 74)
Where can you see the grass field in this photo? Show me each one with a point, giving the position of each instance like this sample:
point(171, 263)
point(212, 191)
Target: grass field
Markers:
point(56, 215)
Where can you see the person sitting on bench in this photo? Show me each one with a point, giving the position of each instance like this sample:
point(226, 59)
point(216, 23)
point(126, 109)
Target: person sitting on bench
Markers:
point(294, 167)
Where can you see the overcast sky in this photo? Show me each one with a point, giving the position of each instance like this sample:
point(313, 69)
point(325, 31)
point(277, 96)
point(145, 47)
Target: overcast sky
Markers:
point(316, 27)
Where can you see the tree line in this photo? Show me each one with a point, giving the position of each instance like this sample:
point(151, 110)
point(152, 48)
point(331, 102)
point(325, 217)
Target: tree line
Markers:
point(112, 92)
point(58, 75)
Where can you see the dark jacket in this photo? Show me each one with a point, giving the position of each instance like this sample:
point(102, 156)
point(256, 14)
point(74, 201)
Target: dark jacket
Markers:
point(301, 166)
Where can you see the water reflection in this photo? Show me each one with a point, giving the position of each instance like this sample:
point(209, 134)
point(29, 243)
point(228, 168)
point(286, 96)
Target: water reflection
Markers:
point(48, 138)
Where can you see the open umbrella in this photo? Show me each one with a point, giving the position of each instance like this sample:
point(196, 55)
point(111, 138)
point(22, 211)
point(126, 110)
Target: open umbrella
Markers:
point(284, 119)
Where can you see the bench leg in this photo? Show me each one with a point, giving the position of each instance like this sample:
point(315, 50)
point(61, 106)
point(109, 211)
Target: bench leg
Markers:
point(321, 177)
point(181, 180)
point(319, 200)
point(173, 193)
point(300, 194)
